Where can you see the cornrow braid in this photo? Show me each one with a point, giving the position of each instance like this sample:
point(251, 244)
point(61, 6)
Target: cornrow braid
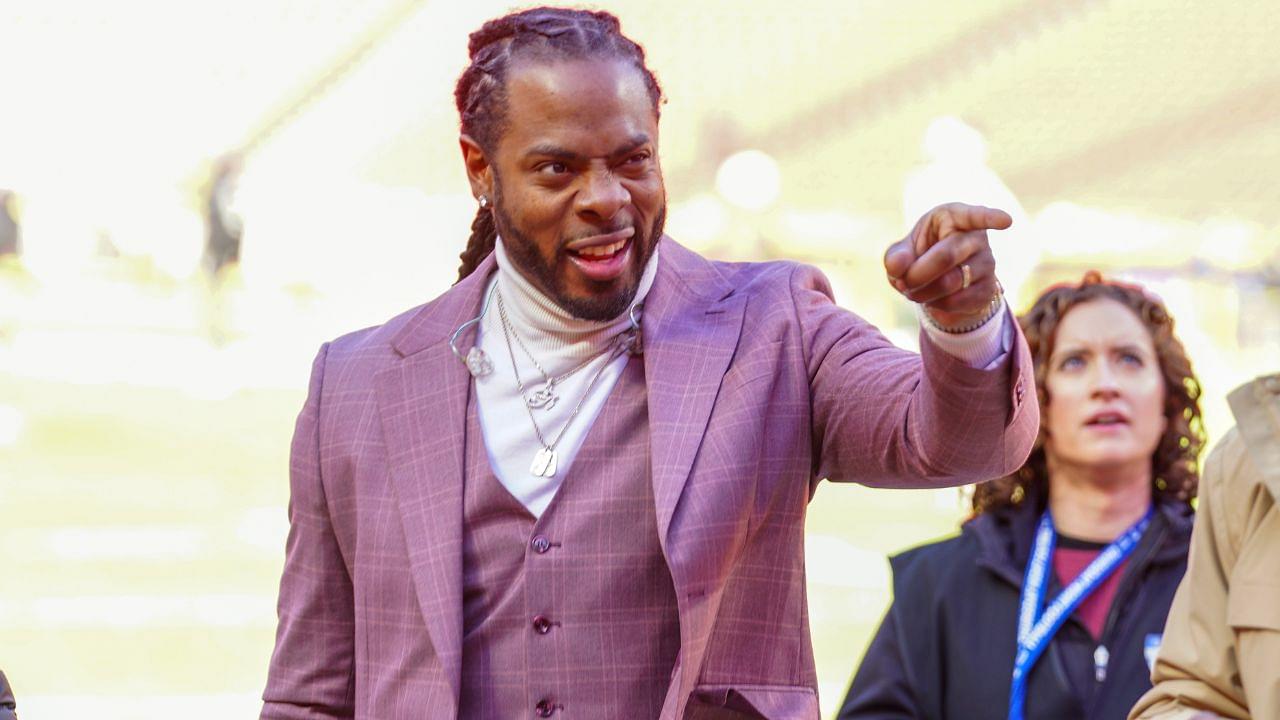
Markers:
point(483, 237)
point(542, 33)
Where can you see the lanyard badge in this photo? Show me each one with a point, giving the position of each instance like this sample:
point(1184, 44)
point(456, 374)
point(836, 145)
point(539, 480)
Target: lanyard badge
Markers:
point(1036, 628)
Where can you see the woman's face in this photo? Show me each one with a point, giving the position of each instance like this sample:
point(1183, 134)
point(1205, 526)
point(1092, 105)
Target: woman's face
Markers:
point(1106, 392)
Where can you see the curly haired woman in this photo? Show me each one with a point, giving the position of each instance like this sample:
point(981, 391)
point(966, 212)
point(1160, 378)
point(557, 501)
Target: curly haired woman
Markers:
point(1051, 601)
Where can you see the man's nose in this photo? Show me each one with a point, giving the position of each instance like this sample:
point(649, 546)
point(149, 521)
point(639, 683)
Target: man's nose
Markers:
point(602, 195)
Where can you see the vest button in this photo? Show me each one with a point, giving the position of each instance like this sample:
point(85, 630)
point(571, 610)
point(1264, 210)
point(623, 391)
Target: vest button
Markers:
point(540, 544)
point(544, 708)
point(541, 625)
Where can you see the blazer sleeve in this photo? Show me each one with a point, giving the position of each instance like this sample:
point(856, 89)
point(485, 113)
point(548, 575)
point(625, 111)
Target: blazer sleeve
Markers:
point(312, 672)
point(1197, 669)
point(887, 417)
point(881, 689)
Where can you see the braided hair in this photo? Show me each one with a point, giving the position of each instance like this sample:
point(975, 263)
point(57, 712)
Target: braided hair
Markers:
point(543, 33)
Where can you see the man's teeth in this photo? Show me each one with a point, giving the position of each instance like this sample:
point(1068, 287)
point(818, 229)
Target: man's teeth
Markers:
point(603, 250)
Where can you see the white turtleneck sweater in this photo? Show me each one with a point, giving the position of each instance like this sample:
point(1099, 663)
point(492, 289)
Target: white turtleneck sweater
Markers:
point(560, 342)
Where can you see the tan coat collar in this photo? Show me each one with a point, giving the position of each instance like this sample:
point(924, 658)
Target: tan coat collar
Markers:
point(1256, 406)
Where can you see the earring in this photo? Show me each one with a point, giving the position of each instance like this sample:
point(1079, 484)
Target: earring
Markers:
point(484, 201)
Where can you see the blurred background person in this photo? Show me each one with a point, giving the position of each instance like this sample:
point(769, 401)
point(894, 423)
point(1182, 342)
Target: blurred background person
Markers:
point(10, 231)
point(1051, 601)
point(1221, 654)
point(223, 226)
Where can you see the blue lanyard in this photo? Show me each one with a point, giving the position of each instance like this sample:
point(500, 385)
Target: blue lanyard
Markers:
point(1036, 629)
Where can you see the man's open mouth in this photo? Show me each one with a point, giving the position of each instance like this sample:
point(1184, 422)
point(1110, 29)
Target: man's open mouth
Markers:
point(604, 257)
point(601, 252)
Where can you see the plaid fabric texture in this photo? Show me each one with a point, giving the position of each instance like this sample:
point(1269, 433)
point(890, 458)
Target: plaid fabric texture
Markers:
point(758, 386)
point(576, 609)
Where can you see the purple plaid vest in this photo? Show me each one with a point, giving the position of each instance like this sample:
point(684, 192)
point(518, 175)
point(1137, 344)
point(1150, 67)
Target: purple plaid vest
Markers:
point(571, 615)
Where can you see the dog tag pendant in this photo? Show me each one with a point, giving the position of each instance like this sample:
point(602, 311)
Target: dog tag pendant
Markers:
point(544, 463)
point(478, 362)
point(543, 397)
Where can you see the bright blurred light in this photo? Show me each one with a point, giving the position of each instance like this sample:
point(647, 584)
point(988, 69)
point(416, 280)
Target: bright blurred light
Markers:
point(697, 222)
point(956, 170)
point(138, 543)
point(949, 139)
point(1233, 244)
point(749, 179)
point(1067, 230)
point(154, 611)
point(158, 225)
point(831, 225)
point(378, 247)
point(190, 707)
point(58, 238)
point(264, 528)
point(11, 425)
point(832, 560)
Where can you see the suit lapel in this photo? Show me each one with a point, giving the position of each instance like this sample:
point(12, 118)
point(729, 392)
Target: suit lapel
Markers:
point(424, 404)
point(422, 401)
point(689, 340)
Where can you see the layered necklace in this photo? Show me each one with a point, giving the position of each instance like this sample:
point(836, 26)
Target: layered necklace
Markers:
point(545, 396)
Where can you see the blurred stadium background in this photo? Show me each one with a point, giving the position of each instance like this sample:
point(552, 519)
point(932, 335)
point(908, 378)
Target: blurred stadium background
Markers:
point(146, 405)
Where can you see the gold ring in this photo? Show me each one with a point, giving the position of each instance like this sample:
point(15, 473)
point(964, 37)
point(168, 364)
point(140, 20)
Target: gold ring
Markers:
point(968, 276)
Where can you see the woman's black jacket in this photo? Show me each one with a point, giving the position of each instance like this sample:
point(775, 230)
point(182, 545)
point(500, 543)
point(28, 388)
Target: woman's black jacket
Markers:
point(945, 649)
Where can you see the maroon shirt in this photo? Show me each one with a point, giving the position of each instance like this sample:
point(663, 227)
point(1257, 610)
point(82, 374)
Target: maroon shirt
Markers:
point(1070, 558)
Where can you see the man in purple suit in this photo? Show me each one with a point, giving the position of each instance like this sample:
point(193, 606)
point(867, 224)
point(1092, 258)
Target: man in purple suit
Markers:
point(574, 485)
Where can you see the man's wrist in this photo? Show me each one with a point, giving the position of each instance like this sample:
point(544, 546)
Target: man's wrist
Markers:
point(967, 326)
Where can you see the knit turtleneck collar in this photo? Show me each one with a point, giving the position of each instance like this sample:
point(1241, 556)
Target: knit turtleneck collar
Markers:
point(549, 330)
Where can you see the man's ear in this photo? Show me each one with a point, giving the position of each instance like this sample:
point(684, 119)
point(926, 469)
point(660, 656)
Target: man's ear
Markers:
point(479, 171)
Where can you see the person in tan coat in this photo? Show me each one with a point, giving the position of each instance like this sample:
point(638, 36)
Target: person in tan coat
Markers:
point(1221, 651)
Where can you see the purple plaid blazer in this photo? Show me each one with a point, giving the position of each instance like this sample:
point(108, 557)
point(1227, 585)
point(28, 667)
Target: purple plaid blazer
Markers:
point(758, 387)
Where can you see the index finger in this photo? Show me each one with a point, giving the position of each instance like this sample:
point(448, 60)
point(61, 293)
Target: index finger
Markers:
point(954, 218)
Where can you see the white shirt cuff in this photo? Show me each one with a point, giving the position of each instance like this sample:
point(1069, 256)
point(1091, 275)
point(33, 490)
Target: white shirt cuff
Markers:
point(983, 347)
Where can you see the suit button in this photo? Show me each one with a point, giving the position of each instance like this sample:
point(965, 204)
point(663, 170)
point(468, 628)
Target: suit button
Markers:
point(544, 708)
point(541, 625)
point(540, 544)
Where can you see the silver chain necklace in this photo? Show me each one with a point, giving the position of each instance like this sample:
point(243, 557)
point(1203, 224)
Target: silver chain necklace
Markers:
point(545, 461)
point(544, 396)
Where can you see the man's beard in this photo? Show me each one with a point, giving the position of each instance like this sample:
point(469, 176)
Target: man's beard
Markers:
point(547, 276)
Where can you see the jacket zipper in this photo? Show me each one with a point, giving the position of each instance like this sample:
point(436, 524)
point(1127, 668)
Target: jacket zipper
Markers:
point(1132, 584)
point(1100, 658)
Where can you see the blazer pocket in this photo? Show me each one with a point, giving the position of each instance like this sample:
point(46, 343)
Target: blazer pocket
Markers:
point(752, 702)
point(1253, 606)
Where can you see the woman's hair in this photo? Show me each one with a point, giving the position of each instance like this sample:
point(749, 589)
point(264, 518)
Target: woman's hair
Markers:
point(541, 33)
point(1174, 468)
